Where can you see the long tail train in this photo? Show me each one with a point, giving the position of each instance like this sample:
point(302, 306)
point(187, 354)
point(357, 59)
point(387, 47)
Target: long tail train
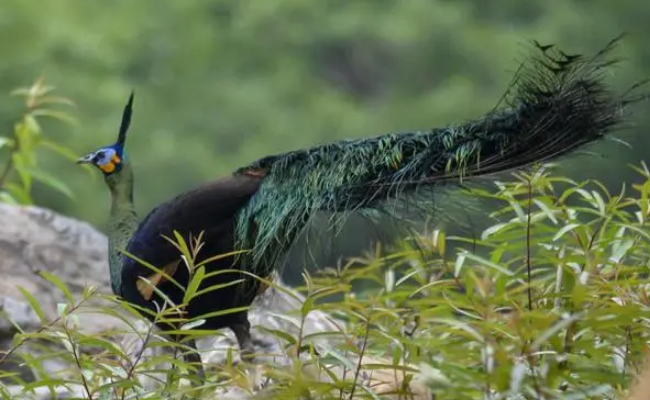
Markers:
point(556, 104)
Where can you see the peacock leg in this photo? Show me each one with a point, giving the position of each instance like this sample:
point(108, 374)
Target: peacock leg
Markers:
point(193, 357)
point(242, 330)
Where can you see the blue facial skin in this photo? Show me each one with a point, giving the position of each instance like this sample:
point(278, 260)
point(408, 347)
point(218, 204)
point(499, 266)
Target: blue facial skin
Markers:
point(108, 159)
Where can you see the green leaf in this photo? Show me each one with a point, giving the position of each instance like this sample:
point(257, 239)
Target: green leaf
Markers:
point(222, 256)
point(564, 230)
point(56, 281)
point(554, 330)
point(154, 269)
point(467, 328)
point(50, 181)
point(181, 245)
point(61, 150)
point(55, 100)
point(281, 334)
point(223, 312)
point(7, 198)
point(28, 133)
point(34, 304)
point(218, 287)
point(341, 358)
point(61, 308)
point(192, 324)
point(18, 193)
point(490, 231)
point(547, 210)
point(369, 391)
point(389, 280)
point(194, 284)
point(307, 306)
point(58, 115)
point(460, 261)
point(489, 263)
point(5, 141)
point(599, 203)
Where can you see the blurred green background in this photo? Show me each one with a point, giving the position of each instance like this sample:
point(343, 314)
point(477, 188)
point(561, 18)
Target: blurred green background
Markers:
point(221, 83)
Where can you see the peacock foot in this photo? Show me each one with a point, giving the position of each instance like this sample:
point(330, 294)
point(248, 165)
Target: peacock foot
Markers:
point(242, 332)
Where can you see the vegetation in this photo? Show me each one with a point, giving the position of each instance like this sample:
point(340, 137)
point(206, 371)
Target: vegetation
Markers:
point(20, 167)
point(558, 308)
point(549, 300)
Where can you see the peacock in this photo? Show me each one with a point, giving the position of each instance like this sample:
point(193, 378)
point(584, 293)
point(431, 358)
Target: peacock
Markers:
point(556, 104)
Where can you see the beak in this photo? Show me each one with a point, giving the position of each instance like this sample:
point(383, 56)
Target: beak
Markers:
point(87, 159)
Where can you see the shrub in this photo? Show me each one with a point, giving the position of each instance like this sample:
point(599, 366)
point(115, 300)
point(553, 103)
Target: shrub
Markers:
point(556, 309)
point(20, 169)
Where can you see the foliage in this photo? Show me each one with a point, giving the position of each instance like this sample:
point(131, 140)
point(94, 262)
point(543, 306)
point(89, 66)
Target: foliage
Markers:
point(20, 168)
point(550, 302)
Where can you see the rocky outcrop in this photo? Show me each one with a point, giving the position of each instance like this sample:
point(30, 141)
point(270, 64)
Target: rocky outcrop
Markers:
point(33, 239)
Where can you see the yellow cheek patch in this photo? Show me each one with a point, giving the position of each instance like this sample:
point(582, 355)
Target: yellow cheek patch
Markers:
point(116, 159)
point(108, 167)
point(158, 278)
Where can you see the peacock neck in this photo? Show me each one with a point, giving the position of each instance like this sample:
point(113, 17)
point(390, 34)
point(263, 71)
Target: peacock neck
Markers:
point(122, 223)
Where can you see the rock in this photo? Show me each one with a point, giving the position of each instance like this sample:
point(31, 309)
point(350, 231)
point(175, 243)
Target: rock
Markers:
point(16, 312)
point(33, 239)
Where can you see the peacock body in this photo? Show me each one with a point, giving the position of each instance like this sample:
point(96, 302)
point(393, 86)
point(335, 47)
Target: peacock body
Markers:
point(556, 104)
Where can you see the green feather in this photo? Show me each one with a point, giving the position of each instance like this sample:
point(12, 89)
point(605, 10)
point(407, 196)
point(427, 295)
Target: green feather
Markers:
point(556, 104)
point(123, 221)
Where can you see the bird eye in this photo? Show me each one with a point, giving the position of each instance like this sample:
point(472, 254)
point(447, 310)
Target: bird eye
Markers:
point(100, 154)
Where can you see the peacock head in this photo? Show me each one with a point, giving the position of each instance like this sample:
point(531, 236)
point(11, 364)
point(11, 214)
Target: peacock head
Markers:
point(110, 159)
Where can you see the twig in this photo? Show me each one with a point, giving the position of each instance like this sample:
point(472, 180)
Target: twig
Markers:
point(364, 344)
point(22, 341)
point(131, 370)
point(78, 362)
point(7, 168)
point(532, 360)
point(528, 256)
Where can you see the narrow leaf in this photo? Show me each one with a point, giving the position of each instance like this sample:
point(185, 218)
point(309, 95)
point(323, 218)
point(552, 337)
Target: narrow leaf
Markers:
point(56, 281)
point(50, 181)
point(194, 284)
point(34, 304)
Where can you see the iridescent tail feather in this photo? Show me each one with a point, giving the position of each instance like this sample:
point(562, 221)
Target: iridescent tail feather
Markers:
point(556, 104)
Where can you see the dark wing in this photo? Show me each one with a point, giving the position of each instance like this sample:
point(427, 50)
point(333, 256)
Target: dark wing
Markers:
point(211, 209)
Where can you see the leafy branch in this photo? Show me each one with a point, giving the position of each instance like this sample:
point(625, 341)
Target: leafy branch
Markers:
point(20, 169)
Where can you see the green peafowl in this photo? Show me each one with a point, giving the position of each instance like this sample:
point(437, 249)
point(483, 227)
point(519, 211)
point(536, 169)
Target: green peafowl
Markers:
point(556, 104)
